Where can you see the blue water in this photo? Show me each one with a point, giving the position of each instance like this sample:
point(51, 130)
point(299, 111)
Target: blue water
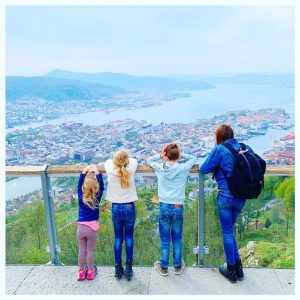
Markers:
point(201, 104)
point(22, 185)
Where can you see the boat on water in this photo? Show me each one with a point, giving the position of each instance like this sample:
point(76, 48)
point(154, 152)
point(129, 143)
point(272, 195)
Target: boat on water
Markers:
point(257, 131)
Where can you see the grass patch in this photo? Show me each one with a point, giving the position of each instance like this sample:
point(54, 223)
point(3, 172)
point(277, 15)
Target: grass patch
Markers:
point(275, 255)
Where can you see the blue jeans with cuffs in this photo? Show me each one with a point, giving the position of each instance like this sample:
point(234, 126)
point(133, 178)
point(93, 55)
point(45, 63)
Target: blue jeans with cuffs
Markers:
point(229, 209)
point(170, 226)
point(123, 217)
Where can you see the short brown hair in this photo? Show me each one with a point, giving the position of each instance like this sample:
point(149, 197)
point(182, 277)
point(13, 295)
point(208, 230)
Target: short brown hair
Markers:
point(172, 151)
point(223, 133)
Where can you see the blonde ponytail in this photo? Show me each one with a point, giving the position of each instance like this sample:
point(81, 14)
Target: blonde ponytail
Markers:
point(121, 161)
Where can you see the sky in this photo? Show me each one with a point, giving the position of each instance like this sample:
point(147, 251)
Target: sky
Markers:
point(149, 40)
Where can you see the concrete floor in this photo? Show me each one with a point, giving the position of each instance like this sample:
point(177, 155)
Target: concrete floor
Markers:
point(58, 280)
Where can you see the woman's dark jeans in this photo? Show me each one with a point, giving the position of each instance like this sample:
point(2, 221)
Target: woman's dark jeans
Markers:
point(229, 209)
point(123, 217)
point(170, 225)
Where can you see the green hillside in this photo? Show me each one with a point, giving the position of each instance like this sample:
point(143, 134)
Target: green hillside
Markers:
point(56, 89)
point(264, 231)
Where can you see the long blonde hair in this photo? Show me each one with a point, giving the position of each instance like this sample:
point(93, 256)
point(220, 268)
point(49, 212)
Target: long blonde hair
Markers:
point(90, 190)
point(121, 161)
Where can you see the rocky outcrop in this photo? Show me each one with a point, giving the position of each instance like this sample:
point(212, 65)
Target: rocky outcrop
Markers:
point(248, 255)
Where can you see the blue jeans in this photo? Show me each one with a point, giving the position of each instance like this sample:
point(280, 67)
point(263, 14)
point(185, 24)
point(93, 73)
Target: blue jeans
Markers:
point(123, 217)
point(170, 225)
point(229, 209)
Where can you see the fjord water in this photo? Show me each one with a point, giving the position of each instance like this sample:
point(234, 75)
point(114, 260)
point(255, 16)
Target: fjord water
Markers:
point(201, 104)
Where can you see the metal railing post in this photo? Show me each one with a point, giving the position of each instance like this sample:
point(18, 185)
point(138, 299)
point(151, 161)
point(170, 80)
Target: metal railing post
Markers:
point(201, 220)
point(50, 219)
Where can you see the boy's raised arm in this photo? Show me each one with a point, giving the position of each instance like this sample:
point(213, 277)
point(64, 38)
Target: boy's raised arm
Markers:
point(190, 160)
point(154, 161)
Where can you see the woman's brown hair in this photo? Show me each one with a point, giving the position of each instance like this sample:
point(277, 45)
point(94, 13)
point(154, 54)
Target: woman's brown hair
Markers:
point(223, 133)
point(121, 161)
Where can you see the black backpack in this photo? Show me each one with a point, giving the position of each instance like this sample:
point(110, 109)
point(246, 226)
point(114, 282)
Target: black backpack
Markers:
point(247, 178)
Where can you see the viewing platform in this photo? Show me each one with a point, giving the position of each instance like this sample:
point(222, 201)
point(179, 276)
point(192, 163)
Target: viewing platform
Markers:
point(55, 278)
point(62, 280)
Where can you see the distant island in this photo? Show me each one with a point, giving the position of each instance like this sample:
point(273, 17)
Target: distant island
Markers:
point(61, 93)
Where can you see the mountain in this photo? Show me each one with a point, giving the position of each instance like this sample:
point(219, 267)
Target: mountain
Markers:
point(56, 89)
point(130, 82)
point(273, 79)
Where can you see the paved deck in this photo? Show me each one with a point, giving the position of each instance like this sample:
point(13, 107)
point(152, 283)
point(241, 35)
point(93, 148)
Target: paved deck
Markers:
point(41, 280)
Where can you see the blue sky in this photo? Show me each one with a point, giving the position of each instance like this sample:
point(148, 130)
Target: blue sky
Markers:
point(149, 40)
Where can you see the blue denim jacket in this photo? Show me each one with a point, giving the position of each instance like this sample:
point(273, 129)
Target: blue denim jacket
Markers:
point(221, 156)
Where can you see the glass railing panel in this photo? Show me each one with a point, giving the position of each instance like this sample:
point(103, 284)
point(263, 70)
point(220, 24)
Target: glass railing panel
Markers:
point(147, 241)
point(265, 230)
point(190, 225)
point(26, 229)
point(63, 191)
point(146, 234)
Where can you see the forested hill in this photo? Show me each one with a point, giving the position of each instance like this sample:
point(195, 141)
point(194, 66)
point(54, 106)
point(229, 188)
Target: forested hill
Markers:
point(56, 89)
point(130, 82)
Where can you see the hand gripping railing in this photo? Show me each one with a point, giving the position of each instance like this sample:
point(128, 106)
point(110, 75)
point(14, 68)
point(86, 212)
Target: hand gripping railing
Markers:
point(46, 171)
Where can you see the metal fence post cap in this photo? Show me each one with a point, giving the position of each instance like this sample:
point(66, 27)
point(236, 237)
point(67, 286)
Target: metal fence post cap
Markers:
point(43, 168)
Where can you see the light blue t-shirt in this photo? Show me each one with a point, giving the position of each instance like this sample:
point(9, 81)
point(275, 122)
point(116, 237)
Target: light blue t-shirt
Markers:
point(171, 177)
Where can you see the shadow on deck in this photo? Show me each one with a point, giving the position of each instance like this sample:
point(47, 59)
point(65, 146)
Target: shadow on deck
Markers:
point(42, 280)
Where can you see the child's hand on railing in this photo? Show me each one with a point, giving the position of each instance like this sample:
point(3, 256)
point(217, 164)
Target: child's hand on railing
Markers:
point(89, 169)
point(86, 169)
point(144, 157)
point(155, 199)
point(94, 169)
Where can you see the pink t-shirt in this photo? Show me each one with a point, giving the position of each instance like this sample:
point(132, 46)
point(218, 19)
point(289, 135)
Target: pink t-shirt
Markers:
point(92, 224)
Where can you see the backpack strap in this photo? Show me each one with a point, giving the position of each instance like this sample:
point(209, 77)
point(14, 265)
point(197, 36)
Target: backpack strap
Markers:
point(233, 152)
point(230, 148)
point(243, 146)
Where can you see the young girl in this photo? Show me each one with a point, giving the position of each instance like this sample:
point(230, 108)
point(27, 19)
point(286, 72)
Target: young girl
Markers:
point(90, 189)
point(122, 193)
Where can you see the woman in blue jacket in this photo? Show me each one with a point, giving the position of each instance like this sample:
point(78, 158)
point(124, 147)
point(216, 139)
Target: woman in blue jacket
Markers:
point(221, 161)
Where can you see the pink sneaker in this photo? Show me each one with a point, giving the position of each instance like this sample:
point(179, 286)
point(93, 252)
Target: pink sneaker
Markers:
point(82, 274)
point(92, 273)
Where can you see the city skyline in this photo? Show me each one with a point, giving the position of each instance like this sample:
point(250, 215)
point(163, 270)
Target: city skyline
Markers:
point(149, 40)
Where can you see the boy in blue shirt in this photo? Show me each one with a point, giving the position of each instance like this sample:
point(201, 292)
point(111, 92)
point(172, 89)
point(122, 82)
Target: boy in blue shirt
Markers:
point(171, 175)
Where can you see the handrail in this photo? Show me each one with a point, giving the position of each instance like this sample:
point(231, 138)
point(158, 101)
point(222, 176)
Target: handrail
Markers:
point(288, 170)
point(46, 171)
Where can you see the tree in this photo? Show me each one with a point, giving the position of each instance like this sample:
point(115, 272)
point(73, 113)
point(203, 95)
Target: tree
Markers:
point(38, 219)
point(268, 223)
point(286, 192)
